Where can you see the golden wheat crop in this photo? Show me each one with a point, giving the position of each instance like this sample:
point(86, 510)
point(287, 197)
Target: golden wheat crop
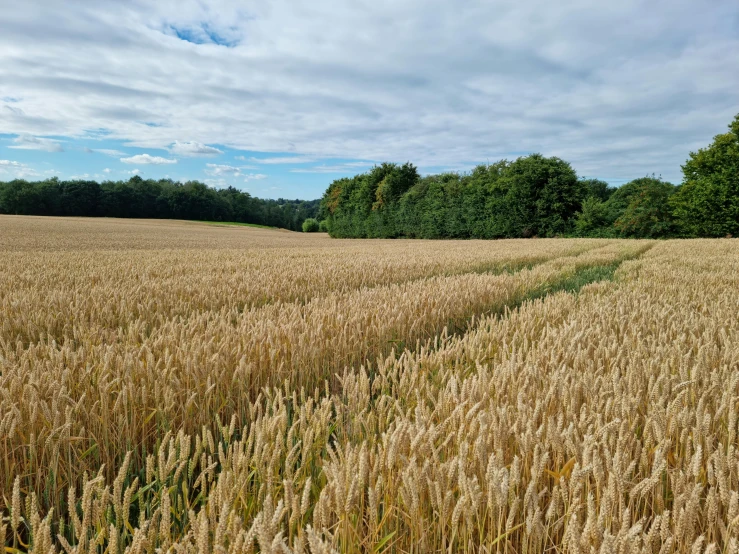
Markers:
point(169, 386)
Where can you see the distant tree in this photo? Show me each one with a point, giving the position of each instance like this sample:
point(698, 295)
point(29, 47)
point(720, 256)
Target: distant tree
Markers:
point(707, 204)
point(19, 197)
point(592, 220)
point(542, 197)
point(619, 200)
point(484, 200)
point(598, 189)
point(80, 198)
point(118, 199)
point(366, 205)
point(392, 181)
point(648, 213)
point(432, 208)
point(48, 197)
point(150, 198)
point(533, 195)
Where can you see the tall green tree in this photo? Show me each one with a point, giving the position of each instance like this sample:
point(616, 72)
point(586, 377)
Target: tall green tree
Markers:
point(639, 208)
point(592, 220)
point(80, 198)
point(542, 196)
point(707, 204)
point(648, 213)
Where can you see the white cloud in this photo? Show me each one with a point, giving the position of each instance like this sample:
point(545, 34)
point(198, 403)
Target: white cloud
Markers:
point(217, 183)
point(356, 167)
point(133, 172)
point(16, 170)
point(222, 169)
point(282, 160)
point(254, 177)
point(109, 152)
point(194, 149)
point(106, 170)
point(28, 142)
point(147, 159)
point(216, 170)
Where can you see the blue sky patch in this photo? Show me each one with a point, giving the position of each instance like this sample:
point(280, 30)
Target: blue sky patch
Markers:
point(202, 34)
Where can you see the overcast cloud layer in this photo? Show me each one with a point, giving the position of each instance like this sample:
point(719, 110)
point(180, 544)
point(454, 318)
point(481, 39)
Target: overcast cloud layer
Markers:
point(619, 89)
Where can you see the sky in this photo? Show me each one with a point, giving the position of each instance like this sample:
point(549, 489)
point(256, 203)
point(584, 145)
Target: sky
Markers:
point(280, 97)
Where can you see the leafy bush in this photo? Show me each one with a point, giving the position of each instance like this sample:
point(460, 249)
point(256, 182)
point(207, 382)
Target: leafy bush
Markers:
point(311, 225)
point(323, 226)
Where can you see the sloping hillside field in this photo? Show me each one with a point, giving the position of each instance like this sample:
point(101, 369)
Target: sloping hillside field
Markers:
point(186, 387)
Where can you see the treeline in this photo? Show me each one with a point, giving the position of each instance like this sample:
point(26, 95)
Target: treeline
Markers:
point(148, 198)
point(539, 196)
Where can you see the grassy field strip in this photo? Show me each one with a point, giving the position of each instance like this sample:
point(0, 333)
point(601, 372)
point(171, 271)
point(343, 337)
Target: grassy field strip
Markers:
point(572, 422)
point(119, 396)
point(597, 265)
point(236, 224)
point(98, 294)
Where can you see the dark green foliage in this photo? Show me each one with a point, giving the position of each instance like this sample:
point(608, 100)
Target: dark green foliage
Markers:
point(363, 205)
point(648, 213)
point(80, 198)
point(592, 219)
point(139, 198)
point(311, 225)
point(597, 188)
point(543, 196)
point(531, 196)
point(707, 203)
point(638, 209)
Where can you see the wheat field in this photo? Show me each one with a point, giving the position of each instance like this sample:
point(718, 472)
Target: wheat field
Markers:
point(182, 387)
